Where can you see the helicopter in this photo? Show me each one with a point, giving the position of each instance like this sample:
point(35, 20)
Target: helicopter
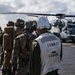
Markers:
point(63, 31)
point(64, 28)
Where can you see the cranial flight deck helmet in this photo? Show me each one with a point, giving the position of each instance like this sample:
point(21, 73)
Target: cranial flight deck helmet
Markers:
point(43, 22)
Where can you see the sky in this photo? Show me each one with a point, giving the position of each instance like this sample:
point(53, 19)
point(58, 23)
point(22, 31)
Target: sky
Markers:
point(34, 6)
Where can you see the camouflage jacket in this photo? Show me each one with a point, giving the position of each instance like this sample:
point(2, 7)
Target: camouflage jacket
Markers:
point(20, 52)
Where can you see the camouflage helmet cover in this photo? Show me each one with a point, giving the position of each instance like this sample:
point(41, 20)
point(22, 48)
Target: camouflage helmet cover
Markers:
point(20, 23)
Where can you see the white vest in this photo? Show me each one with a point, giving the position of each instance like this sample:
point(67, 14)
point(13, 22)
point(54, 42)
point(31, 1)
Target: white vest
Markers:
point(50, 52)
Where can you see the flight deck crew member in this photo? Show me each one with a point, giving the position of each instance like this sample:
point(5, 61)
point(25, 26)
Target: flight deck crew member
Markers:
point(46, 51)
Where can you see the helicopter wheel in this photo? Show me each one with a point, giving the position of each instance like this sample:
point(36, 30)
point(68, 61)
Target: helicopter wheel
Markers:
point(73, 40)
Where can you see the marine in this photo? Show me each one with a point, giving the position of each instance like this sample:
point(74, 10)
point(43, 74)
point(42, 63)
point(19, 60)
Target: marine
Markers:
point(21, 51)
point(8, 38)
point(1, 50)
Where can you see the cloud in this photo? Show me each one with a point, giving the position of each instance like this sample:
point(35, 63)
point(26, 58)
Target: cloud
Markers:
point(39, 6)
point(5, 8)
point(19, 4)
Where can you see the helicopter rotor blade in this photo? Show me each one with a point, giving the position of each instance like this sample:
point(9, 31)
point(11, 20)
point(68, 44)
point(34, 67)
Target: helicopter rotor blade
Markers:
point(35, 14)
point(28, 13)
point(69, 15)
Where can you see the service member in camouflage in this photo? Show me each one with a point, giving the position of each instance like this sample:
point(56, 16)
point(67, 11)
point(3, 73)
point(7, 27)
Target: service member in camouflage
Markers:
point(20, 56)
point(1, 38)
point(46, 51)
point(8, 38)
point(1, 50)
point(21, 51)
point(30, 29)
point(1, 33)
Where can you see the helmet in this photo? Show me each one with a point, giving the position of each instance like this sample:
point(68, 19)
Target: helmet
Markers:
point(20, 23)
point(31, 25)
point(10, 23)
point(43, 22)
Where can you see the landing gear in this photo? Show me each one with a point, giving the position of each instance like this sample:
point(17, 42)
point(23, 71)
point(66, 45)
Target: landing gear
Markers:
point(73, 40)
point(63, 40)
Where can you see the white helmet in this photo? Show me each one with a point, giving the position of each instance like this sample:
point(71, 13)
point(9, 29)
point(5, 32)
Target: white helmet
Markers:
point(43, 22)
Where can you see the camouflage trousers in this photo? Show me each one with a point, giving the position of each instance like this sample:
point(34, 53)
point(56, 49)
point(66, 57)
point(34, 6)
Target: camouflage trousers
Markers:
point(24, 70)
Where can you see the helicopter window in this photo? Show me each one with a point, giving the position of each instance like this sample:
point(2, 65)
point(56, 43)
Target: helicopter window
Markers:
point(71, 26)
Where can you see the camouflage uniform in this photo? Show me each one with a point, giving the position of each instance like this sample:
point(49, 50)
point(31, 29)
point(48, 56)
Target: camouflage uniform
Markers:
point(8, 37)
point(1, 32)
point(30, 29)
point(1, 50)
point(1, 37)
point(18, 31)
point(20, 55)
point(21, 50)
